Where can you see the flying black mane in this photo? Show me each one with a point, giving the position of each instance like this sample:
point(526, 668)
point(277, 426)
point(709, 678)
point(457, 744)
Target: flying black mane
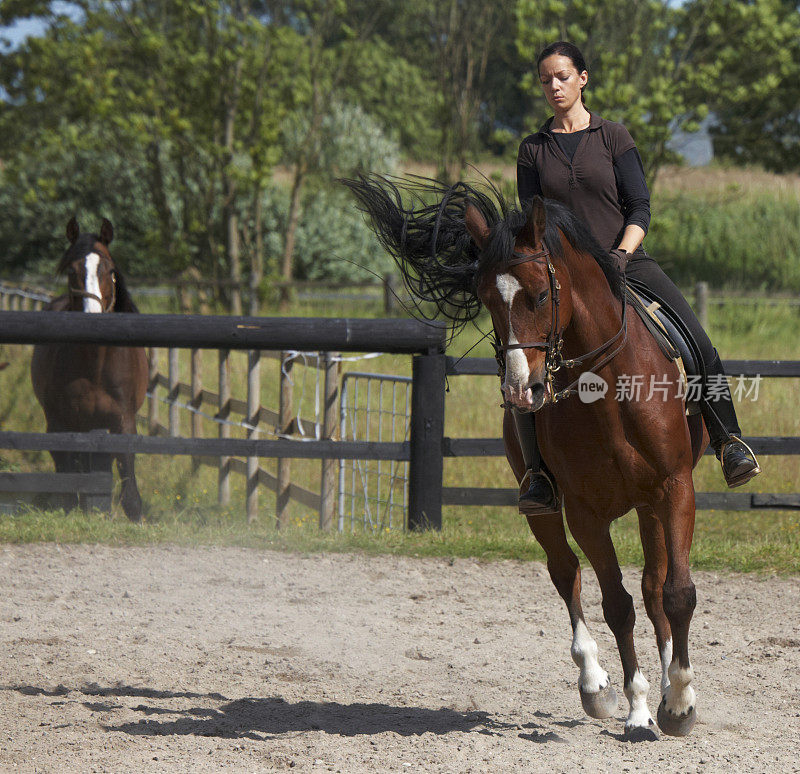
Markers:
point(421, 223)
point(84, 245)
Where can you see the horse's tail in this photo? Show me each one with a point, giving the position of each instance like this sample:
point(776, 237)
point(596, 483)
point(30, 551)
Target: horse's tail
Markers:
point(429, 242)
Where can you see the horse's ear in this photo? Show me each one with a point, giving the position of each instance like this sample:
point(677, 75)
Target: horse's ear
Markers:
point(106, 232)
point(533, 231)
point(477, 227)
point(73, 229)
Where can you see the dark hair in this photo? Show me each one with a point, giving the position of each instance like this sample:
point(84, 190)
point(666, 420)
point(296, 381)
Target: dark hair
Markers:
point(569, 50)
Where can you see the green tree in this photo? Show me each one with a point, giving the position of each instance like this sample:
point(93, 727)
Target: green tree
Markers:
point(746, 67)
point(191, 94)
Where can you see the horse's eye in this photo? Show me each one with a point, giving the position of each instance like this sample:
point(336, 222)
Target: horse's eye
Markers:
point(542, 297)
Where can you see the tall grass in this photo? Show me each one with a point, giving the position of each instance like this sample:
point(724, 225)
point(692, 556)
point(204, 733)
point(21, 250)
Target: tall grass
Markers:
point(730, 239)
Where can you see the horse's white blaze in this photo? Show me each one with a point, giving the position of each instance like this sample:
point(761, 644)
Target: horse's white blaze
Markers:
point(680, 696)
point(636, 694)
point(584, 653)
point(92, 284)
point(517, 371)
point(666, 660)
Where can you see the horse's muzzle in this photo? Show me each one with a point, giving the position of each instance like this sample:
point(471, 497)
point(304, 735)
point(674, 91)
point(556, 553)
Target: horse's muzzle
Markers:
point(527, 399)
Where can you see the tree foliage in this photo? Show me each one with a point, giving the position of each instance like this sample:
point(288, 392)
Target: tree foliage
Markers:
point(171, 117)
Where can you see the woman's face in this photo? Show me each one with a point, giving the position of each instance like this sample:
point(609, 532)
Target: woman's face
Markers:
point(561, 82)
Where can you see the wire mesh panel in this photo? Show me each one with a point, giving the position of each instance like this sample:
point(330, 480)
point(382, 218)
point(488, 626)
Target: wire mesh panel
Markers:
point(373, 494)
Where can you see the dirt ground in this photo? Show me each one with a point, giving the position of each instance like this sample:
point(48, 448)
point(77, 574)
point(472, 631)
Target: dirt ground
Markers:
point(199, 660)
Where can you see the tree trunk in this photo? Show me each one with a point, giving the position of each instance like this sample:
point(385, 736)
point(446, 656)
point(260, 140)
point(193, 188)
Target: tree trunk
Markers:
point(287, 261)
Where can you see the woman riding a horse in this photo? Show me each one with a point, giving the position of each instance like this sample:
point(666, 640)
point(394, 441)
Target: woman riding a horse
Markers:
point(555, 290)
point(592, 165)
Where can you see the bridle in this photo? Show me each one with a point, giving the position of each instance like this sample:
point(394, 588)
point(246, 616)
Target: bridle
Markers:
point(76, 293)
point(552, 345)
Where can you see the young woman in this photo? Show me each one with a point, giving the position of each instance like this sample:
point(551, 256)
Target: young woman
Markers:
point(592, 165)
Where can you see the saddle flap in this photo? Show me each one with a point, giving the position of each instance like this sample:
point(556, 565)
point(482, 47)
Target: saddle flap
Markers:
point(671, 336)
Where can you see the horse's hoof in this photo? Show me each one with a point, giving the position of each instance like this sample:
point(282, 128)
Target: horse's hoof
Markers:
point(641, 733)
point(602, 704)
point(675, 725)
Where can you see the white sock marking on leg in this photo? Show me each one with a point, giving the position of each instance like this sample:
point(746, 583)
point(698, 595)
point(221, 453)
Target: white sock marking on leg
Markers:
point(636, 694)
point(666, 660)
point(584, 653)
point(680, 696)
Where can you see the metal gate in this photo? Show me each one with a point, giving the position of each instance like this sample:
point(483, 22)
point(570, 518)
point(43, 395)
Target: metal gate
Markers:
point(373, 494)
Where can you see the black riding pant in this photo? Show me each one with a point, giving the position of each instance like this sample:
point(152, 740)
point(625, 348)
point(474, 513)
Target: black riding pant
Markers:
point(644, 269)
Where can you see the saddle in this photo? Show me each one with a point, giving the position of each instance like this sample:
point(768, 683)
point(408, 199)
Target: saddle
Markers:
point(670, 333)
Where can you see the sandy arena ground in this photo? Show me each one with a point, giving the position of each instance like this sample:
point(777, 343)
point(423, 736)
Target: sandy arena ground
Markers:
point(202, 660)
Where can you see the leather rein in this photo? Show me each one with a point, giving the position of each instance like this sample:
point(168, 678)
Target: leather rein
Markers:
point(552, 345)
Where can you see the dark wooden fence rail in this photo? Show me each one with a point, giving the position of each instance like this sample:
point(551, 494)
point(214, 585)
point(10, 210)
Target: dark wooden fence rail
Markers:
point(493, 447)
point(427, 445)
point(425, 342)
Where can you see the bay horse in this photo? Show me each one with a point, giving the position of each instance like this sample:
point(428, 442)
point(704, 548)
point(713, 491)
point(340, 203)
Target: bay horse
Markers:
point(84, 387)
point(557, 304)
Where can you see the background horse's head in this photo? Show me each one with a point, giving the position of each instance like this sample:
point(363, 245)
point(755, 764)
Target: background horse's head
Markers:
point(529, 300)
point(93, 281)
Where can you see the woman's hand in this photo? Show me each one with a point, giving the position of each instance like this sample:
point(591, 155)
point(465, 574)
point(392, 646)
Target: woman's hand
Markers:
point(620, 257)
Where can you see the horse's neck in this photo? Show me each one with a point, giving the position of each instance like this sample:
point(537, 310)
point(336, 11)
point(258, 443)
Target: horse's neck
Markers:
point(596, 313)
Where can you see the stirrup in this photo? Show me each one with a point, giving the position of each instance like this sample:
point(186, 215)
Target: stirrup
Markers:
point(747, 473)
point(529, 506)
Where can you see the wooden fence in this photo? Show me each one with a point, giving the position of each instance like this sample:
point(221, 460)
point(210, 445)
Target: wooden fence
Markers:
point(732, 501)
point(230, 412)
point(256, 334)
point(427, 446)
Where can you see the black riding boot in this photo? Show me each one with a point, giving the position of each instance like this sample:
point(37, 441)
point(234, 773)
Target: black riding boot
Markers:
point(739, 464)
point(537, 492)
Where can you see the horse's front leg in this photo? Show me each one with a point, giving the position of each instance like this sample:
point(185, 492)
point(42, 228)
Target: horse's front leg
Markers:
point(595, 541)
point(130, 498)
point(677, 713)
point(598, 697)
point(653, 576)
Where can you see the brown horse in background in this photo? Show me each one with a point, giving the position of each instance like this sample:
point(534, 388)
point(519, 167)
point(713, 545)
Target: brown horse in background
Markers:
point(84, 387)
point(558, 308)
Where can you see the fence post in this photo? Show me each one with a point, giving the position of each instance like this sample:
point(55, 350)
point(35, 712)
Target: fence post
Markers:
point(172, 397)
point(426, 437)
point(3, 300)
point(196, 401)
point(701, 302)
point(224, 398)
point(284, 417)
point(330, 468)
point(253, 409)
point(152, 386)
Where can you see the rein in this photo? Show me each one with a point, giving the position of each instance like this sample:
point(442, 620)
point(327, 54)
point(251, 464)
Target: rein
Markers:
point(552, 346)
point(74, 292)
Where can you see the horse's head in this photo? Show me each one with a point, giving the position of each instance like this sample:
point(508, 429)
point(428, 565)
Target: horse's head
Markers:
point(522, 289)
point(91, 273)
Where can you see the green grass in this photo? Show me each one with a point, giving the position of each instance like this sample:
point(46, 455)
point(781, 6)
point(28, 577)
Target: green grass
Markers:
point(181, 503)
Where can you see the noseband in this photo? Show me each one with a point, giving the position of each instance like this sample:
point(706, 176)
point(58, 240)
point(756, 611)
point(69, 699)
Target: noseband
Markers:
point(552, 345)
point(76, 293)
